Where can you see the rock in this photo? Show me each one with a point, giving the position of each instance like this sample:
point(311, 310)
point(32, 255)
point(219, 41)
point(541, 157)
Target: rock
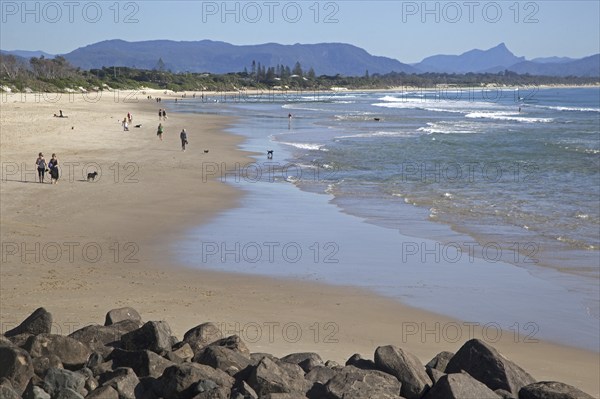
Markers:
point(97, 337)
point(320, 374)
point(124, 381)
point(35, 392)
point(72, 353)
point(551, 390)
point(16, 366)
point(57, 380)
point(105, 392)
point(154, 336)
point(20, 339)
point(5, 341)
point(39, 322)
point(7, 392)
point(440, 361)
point(284, 396)
point(222, 358)
point(333, 364)
point(183, 353)
point(121, 314)
point(94, 360)
point(406, 367)
point(143, 363)
point(202, 335)
point(277, 377)
point(434, 374)
point(306, 360)
point(42, 364)
point(355, 383)
point(68, 393)
point(257, 357)
point(180, 381)
point(208, 389)
point(487, 365)
point(358, 361)
point(91, 384)
point(459, 386)
point(233, 342)
point(243, 391)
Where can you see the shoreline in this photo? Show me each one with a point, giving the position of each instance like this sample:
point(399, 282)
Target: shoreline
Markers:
point(150, 215)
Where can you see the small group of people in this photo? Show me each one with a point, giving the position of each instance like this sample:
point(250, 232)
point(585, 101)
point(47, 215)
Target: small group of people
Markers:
point(158, 99)
point(51, 167)
point(162, 114)
point(127, 121)
point(183, 136)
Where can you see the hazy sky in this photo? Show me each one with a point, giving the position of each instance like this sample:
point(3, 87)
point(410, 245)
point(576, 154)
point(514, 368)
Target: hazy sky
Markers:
point(405, 30)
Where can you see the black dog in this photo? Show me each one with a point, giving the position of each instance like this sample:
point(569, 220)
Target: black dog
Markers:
point(270, 154)
point(92, 176)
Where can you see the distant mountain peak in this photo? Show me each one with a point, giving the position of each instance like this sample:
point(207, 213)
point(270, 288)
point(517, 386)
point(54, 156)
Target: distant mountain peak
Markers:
point(220, 57)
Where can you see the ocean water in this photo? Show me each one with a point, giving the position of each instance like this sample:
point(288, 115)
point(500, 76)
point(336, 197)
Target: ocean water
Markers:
point(453, 193)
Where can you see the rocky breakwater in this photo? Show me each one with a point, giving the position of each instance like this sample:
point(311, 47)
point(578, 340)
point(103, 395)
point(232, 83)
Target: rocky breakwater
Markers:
point(127, 358)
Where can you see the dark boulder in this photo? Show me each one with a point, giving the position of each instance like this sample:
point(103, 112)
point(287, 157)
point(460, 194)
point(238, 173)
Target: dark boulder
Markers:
point(406, 367)
point(487, 365)
point(72, 353)
point(352, 382)
point(234, 343)
point(551, 390)
point(440, 361)
point(7, 392)
point(104, 392)
point(68, 393)
point(277, 377)
point(434, 374)
point(144, 363)
point(97, 337)
point(42, 364)
point(154, 336)
point(459, 386)
point(222, 358)
point(306, 360)
point(34, 392)
point(124, 381)
point(39, 322)
point(57, 380)
point(180, 381)
point(121, 314)
point(16, 366)
point(243, 391)
point(202, 335)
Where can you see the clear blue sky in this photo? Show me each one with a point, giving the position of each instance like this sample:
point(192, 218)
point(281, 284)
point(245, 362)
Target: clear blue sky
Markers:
point(405, 30)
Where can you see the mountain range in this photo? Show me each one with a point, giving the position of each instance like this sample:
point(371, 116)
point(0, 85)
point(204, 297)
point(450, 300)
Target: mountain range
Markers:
point(325, 58)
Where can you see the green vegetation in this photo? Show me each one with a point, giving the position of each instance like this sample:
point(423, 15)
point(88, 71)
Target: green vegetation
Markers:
point(57, 75)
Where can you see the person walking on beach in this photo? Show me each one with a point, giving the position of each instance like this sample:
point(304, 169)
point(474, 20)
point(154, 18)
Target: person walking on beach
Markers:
point(160, 114)
point(159, 132)
point(53, 166)
point(164, 114)
point(125, 125)
point(129, 117)
point(183, 137)
point(41, 167)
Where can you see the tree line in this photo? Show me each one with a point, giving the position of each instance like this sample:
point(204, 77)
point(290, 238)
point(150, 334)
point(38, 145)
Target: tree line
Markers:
point(57, 74)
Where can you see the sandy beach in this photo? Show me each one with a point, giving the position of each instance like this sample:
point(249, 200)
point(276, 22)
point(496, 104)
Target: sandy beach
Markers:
point(80, 248)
